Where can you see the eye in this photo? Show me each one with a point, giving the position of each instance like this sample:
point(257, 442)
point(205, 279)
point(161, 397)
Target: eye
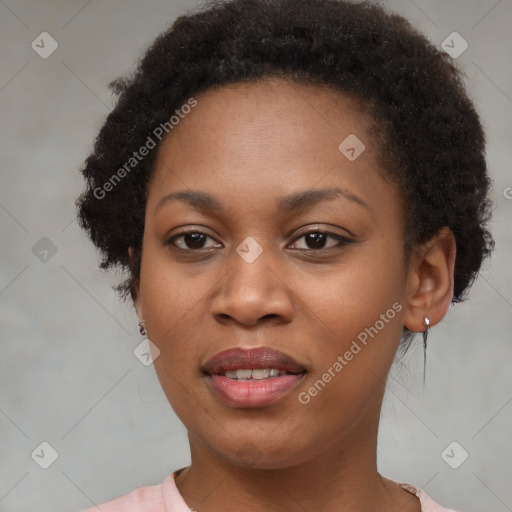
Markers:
point(318, 240)
point(191, 240)
point(314, 240)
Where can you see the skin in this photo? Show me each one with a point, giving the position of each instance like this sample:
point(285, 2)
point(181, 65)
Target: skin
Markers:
point(248, 145)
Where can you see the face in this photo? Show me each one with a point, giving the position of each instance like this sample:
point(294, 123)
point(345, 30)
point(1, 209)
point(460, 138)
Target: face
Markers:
point(321, 279)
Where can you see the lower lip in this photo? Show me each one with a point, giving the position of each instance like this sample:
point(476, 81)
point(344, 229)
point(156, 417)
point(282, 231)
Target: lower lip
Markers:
point(253, 393)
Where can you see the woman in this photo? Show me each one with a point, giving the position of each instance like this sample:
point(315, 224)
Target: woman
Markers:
point(295, 189)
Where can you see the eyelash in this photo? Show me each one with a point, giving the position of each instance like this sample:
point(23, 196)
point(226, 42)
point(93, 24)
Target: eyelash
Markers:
point(342, 241)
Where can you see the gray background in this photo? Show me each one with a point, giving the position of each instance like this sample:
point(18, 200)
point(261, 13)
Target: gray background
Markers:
point(68, 375)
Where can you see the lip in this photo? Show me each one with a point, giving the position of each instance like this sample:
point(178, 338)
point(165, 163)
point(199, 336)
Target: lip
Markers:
point(253, 358)
point(252, 393)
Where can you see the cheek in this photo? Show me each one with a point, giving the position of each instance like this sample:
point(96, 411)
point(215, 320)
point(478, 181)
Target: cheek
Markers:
point(170, 301)
point(171, 310)
point(358, 316)
point(351, 297)
point(168, 294)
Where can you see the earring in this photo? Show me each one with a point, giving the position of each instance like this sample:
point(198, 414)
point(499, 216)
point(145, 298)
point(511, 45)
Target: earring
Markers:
point(426, 322)
point(142, 329)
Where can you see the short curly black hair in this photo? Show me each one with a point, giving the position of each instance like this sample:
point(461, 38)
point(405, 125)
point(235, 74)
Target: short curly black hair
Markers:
point(435, 144)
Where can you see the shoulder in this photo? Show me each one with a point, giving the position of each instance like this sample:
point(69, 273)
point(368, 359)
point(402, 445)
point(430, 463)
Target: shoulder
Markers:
point(149, 498)
point(164, 497)
point(427, 503)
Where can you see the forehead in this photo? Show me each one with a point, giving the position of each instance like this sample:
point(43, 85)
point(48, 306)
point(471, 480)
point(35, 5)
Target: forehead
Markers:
point(270, 108)
point(268, 138)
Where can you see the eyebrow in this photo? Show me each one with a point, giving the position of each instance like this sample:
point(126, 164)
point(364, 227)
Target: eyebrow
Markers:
point(295, 202)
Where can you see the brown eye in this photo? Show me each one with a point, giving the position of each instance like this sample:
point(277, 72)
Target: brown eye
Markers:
point(318, 240)
point(192, 240)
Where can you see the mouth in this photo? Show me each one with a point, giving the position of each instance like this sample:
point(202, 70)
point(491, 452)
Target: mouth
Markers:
point(252, 378)
point(256, 373)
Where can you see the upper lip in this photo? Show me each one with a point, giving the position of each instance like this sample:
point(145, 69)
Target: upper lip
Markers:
point(260, 357)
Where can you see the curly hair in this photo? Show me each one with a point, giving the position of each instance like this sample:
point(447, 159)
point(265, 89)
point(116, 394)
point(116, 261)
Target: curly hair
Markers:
point(434, 141)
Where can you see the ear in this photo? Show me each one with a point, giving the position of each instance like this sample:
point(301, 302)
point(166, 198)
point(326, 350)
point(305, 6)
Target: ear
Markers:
point(136, 291)
point(430, 280)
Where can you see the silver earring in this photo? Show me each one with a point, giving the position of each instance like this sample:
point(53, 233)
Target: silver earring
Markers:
point(426, 322)
point(142, 329)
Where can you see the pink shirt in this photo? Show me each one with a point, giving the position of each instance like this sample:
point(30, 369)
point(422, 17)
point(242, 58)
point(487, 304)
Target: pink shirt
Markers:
point(166, 497)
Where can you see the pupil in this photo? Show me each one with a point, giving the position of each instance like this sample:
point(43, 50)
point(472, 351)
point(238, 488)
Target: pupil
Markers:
point(194, 239)
point(317, 239)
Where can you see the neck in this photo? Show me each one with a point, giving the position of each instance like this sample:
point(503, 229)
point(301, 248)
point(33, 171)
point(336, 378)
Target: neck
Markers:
point(343, 477)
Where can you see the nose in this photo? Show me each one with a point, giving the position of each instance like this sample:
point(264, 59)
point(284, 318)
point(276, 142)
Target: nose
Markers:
point(253, 293)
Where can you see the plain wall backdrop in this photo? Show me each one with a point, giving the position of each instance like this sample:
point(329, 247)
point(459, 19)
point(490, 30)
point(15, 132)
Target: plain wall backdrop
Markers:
point(68, 374)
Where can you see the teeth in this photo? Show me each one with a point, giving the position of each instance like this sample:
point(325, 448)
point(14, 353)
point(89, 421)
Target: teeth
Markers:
point(243, 374)
point(256, 374)
point(260, 374)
